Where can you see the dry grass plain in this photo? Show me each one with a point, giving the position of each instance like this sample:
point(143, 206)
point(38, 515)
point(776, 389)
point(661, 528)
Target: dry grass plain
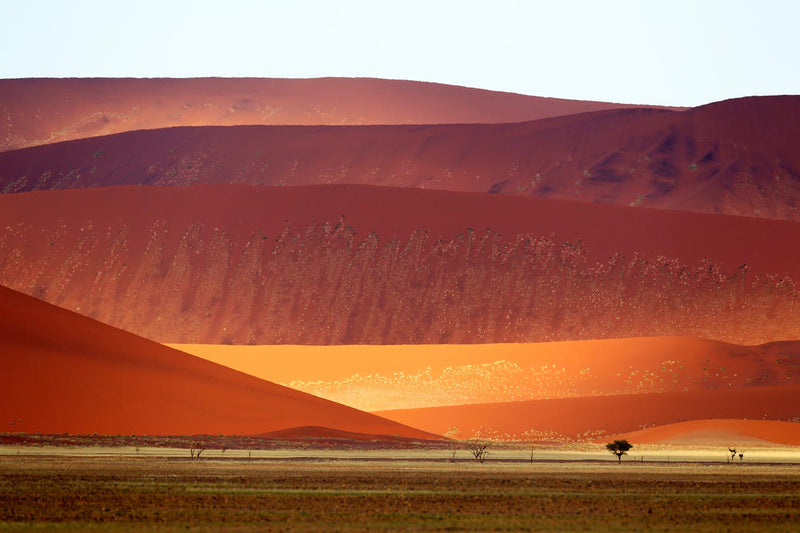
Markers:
point(123, 493)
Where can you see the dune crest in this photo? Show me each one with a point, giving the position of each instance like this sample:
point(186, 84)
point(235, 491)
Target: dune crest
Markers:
point(41, 111)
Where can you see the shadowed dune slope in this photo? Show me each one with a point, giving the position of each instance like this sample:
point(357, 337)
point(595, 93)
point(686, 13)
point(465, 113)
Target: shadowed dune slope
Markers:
point(580, 419)
point(412, 376)
point(735, 433)
point(734, 157)
point(40, 111)
point(61, 372)
point(247, 265)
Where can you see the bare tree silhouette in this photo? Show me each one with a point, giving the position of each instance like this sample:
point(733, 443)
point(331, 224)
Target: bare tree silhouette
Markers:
point(195, 451)
point(479, 449)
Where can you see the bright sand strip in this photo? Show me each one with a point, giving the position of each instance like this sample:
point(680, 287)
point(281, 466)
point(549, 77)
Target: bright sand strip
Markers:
point(382, 377)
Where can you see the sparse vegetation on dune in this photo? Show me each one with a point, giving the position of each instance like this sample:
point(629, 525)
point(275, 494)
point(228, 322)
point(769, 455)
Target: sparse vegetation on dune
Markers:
point(321, 284)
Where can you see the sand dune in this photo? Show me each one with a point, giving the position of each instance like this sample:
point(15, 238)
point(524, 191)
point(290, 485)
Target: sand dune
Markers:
point(729, 433)
point(61, 372)
point(734, 157)
point(581, 419)
point(244, 265)
point(39, 111)
point(373, 378)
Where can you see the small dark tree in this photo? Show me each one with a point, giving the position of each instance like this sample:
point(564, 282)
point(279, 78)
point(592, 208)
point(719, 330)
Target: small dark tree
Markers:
point(479, 449)
point(195, 451)
point(619, 448)
point(733, 453)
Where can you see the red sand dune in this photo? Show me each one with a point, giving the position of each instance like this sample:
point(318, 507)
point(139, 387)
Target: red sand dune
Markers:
point(735, 157)
point(581, 419)
point(244, 265)
point(374, 378)
point(39, 111)
point(63, 373)
point(715, 432)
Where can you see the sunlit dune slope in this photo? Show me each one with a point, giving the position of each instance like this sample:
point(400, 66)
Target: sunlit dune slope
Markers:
point(39, 111)
point(247, 265)
point(735, 433)
point(580, 419)
point(736, 157)
point(412, 376)
point(63, 373)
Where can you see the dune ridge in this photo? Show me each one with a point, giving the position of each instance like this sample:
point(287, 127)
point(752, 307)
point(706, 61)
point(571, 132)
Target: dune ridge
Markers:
point(245, 265)
point(64, 373)
point(734, 157)
point(41, 111)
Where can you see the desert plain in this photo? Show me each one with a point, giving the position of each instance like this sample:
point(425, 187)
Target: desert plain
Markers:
point(295, 304)
point(147, 493)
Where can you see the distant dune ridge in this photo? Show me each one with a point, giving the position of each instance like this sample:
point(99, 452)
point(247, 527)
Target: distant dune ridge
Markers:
point(736, 157)
point(242, 265)
point(42, 111)
point(62, 372)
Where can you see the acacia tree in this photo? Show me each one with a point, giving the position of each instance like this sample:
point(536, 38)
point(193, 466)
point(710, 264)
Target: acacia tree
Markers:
point(479, 449)
point(195, 450)
point(619, 448)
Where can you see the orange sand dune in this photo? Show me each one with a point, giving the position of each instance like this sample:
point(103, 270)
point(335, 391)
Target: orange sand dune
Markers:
point(732, 433)
point(38, 111)
point(580, 419)
point(64, 373)
point(376, 378)
point(249, 265)
point(735, 157)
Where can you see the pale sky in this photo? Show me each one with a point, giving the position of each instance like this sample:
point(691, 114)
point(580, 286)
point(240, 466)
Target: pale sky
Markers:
point(676, 52)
